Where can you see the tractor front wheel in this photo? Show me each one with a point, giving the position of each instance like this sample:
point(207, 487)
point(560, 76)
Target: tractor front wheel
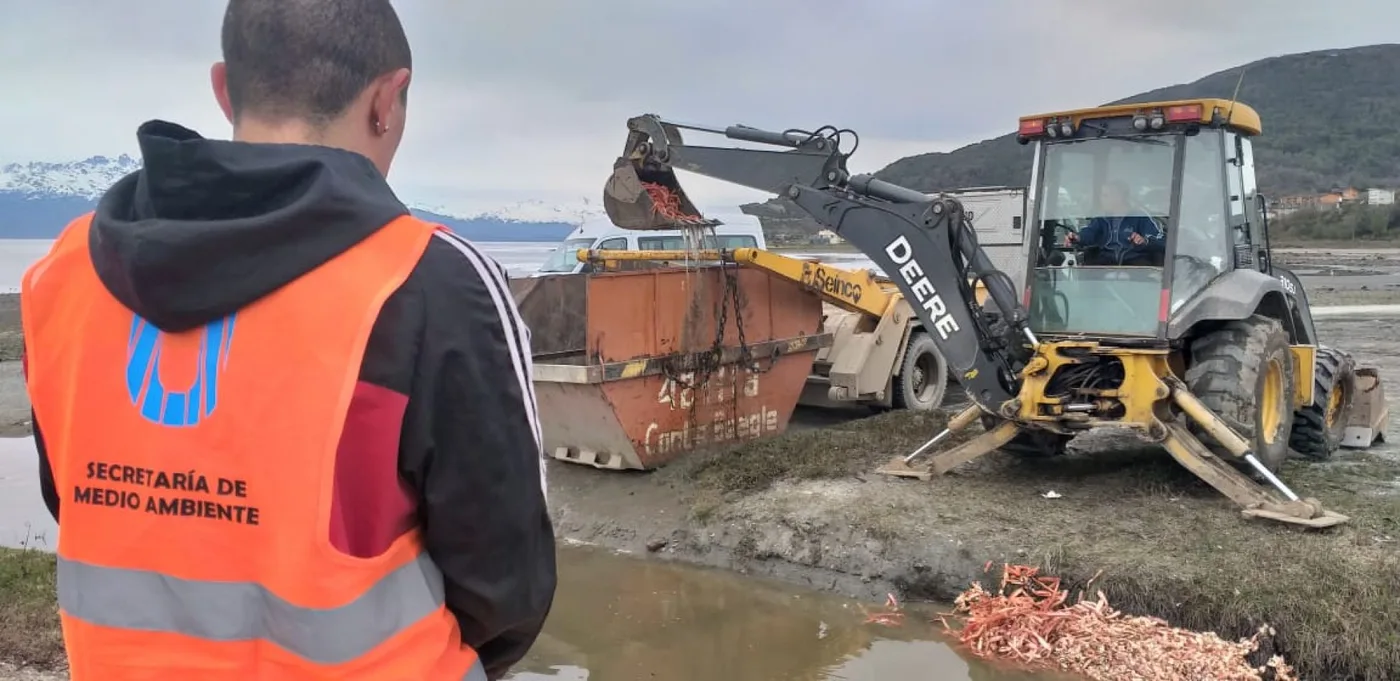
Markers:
point(1243, 371)
point(1318, 428)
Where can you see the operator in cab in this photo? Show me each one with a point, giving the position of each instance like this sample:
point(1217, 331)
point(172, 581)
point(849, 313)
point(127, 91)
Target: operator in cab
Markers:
point(1120, 237)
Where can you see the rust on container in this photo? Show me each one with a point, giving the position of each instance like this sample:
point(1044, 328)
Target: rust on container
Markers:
point(635, 368)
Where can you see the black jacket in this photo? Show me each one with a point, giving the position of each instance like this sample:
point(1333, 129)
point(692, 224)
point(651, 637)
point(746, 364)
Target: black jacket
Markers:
point(207, 227)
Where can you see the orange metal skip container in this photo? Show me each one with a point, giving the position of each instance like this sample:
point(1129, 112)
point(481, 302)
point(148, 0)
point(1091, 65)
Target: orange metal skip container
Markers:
point(610, 354)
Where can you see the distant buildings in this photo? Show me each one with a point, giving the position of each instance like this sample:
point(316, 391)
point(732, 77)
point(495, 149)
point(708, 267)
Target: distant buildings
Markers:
point(1336, 198)
point(1380, 197)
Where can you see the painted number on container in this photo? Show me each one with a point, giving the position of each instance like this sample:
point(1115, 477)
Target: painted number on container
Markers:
point(679, 394)
point(724, 427)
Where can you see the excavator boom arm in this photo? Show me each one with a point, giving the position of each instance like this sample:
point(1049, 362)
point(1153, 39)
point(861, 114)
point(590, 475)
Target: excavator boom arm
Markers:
point(925, 245)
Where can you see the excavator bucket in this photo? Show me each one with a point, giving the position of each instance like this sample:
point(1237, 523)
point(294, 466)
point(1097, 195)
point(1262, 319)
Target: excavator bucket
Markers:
point(1369, 415)
point(648, 198)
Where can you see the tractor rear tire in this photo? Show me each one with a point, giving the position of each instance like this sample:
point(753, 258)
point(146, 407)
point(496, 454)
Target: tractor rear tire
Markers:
point(1032, 444)
point(1319, 427)
point(922, 380)
point(1243, 371)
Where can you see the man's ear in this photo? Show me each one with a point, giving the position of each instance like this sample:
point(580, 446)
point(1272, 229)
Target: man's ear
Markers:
point(387, 109)
point(218, 77)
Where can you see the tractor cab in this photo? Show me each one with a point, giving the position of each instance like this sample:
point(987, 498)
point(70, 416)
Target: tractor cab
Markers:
point(1135, 209)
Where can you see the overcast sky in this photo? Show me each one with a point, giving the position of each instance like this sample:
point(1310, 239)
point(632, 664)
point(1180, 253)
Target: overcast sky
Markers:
point(527, 99)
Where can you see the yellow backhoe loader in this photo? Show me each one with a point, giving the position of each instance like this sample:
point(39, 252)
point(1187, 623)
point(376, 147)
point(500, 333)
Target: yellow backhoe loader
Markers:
point(1151, 302)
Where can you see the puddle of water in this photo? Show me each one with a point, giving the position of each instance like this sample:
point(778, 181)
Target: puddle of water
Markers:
point(619, 618)
point(622, 617)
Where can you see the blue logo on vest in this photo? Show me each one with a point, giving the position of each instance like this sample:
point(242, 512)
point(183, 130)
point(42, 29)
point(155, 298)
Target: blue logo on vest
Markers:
point(175, 408)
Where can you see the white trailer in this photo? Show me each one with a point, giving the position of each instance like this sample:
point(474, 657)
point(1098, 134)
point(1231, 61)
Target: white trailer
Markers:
point(998, 216)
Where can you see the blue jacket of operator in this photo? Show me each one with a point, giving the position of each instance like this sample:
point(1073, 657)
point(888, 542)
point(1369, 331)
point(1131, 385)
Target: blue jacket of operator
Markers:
point(1113, 235)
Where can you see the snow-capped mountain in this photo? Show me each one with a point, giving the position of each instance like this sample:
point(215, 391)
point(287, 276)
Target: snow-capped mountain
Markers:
point(38, 198)
point(85, 179)
point(527, 211)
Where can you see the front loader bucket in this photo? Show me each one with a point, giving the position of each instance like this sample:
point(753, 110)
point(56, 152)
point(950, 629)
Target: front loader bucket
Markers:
point(1369, 415)
point(648, 198)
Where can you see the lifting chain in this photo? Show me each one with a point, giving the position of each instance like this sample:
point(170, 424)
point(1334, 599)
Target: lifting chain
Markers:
point(703, 365)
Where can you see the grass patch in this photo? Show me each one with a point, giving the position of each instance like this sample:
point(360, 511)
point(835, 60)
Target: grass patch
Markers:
point(1332, 597)
point(1290, 242)
point(29, 627)
point(11, 333)
point(1318, 297)
point(11, 346)
point(1167, 544)
point(838, 451)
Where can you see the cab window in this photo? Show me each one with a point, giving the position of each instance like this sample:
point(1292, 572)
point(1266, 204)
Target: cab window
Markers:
point(1100, 192)
point(1105, 205)
point(1203, 230)
point(677, 243)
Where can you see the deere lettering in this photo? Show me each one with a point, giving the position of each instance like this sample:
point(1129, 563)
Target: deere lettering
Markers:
point(819, 279)
point(924, 293)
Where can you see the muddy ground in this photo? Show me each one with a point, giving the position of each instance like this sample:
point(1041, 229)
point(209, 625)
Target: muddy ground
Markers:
point(807, 508)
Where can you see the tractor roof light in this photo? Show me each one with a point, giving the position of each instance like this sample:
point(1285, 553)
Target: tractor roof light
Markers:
point(1066, 128)
point(1184, 113)
point(1140, 123)
point(1156, 121)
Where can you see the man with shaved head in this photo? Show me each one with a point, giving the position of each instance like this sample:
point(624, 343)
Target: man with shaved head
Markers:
point(291, 427)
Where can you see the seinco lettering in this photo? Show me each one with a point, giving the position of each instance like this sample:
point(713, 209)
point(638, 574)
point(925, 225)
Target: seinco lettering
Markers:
point(821, 280)
point(924, 292)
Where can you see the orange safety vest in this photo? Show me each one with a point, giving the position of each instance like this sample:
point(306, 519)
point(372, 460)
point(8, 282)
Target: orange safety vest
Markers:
point(195, 472)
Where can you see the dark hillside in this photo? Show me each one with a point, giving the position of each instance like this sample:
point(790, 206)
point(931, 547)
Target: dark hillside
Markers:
point(1331, 118)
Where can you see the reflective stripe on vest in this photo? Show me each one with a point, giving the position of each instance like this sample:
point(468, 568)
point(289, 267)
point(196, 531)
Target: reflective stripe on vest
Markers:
point(244, 611)
point(197, 469)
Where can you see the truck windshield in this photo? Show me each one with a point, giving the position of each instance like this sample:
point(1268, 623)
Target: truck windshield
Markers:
point(1104, 206)
point(678, 243)
point(565, 258)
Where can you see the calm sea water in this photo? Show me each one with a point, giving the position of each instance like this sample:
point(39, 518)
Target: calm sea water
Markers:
point(519, 258)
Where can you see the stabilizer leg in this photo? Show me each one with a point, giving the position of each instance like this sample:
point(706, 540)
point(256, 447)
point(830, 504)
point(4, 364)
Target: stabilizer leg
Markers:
point(1256, 500)
point(899, 466)
point(982, 444)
